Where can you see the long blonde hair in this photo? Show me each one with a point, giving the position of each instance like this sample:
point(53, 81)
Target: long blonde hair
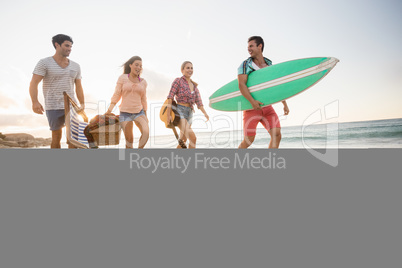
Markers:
point(182, 68)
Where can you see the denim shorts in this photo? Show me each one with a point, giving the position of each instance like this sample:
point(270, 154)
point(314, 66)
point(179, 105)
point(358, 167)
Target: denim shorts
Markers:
point(185, 112)
point(56, 119)
point(130, 116)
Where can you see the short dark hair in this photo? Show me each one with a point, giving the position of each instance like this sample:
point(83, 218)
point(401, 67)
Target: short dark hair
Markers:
point(60, 38)
point(258, 40)
point(127, 64)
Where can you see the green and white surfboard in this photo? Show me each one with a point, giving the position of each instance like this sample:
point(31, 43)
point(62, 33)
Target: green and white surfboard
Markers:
point(273, 84)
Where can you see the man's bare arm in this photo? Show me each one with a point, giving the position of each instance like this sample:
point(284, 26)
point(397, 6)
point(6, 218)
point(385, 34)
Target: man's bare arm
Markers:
point(33, 91)
point(242, 78)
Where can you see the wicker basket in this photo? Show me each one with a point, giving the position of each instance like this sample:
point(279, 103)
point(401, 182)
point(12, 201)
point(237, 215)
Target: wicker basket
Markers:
point(107, 135)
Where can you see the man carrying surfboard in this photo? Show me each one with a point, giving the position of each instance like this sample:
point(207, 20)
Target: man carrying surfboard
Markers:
point(264, 115)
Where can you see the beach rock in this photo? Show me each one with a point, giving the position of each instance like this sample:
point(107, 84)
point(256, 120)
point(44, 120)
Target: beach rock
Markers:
point(41, 142)
point(23, 140)
point(9, 143)
point(19, 137)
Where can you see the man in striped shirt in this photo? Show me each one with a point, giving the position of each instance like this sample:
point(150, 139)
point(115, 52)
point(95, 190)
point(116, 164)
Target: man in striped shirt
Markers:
point(264, 115)
point(58, 74)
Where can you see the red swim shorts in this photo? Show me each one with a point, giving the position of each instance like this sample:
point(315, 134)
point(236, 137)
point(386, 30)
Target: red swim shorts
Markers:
point(266, 116)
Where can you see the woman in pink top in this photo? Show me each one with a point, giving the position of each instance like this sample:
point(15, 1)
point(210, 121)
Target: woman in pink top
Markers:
point(131, 89)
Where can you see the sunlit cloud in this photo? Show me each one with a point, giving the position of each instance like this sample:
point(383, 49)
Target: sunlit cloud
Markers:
point(14, 93)
point(158, 85)
point(22, 120)
point(7, 102)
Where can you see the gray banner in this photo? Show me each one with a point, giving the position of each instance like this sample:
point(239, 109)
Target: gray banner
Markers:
point(200, 208)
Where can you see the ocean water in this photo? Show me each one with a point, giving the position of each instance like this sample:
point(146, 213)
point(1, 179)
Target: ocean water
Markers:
point(365, 134)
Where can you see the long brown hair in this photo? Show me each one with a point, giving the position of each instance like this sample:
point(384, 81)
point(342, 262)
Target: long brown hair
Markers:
point(127, 64)
point(182, 68)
